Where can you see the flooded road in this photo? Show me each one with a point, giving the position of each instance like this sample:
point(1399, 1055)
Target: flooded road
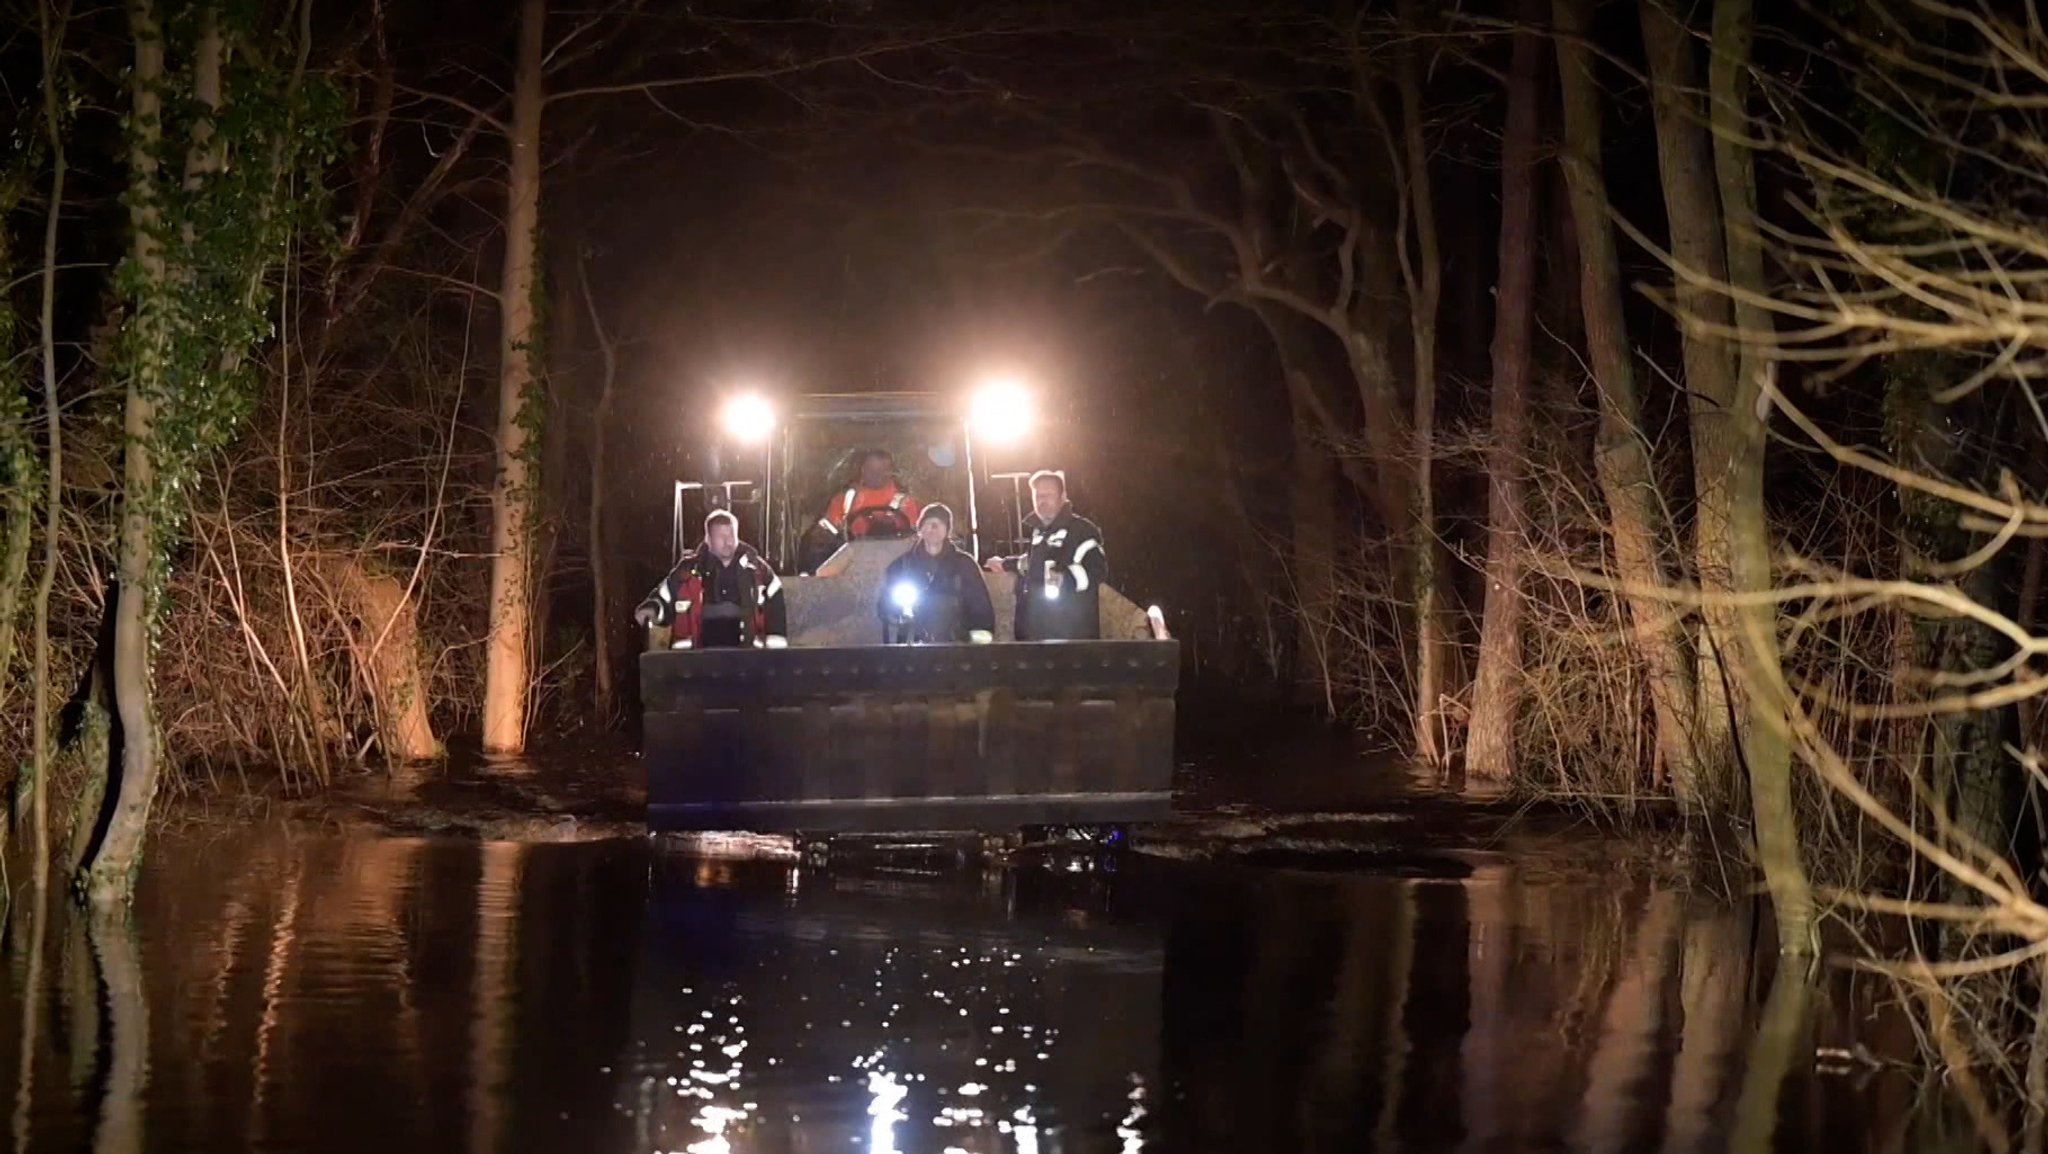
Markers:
point(397, 995)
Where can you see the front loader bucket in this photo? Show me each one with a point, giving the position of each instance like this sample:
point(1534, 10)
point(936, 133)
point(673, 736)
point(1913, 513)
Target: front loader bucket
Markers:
point(884, 739)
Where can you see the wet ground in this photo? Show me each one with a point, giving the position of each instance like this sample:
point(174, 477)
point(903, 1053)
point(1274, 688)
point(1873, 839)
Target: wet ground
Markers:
point(1364, 965)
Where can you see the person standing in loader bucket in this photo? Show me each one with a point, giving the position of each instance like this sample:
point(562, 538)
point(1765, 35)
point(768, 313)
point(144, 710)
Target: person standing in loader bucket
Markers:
point(876, 504)
point(934, 594)
point(723, 596)
point(1060, 577)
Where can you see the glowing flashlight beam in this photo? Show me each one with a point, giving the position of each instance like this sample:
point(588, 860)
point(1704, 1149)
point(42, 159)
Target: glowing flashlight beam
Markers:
point(905, 596)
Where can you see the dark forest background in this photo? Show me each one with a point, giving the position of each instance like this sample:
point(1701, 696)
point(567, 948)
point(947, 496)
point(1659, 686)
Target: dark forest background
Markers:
point(1629, 403)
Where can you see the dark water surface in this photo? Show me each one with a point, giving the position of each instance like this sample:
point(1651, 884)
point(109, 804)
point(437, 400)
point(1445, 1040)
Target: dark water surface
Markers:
point(391, 995)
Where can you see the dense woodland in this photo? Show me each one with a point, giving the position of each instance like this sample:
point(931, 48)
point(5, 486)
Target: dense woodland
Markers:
point(1630, 401)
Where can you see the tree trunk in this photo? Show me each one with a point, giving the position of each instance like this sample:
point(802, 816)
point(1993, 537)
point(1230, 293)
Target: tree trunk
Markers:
point(1424, 274)
point(1627, 479)
point(1312, 562)
point(602, 628)
point(1388, 439)
point(1766, 729)
point(1685, 164)
point(1497, 689)
point(387, 654)
point(119, 853)
point(53, 467)
point(508, 669)
point(552, 486)
point(17, 466)
point(21, 507)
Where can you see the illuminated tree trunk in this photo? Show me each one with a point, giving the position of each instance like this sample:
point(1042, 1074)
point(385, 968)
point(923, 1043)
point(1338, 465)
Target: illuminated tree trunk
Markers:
point(1424, 274)
point(387, 651)
point(1497, 688)
point(1685, 163)
point(1766, 732)
point(508, 668)
point(1627, 479)
point(120, 852)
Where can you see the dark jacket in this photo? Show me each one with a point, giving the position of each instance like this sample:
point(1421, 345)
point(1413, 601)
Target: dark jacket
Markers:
point(714, 605)
point(952, 598)
point(1059, 579)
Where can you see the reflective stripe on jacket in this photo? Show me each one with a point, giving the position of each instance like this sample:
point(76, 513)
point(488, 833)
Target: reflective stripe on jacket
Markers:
point(1060, 579)
point(841, 509)
point(746, 581)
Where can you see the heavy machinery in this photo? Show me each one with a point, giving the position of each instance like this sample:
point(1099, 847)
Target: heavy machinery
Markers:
point(840, 733)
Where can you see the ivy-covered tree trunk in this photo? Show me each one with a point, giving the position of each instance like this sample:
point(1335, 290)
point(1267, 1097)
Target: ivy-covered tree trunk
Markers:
point(1627, 479)
point(196, 293)
point(119, 854)
point(1497, 687)
point(508, 668)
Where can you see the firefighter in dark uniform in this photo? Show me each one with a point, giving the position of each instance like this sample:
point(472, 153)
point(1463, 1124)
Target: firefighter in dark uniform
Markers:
point(935, 594)
point(1059, 578)
point(723, 596)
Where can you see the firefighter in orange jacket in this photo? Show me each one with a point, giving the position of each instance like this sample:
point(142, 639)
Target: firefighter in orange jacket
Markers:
point(722, 596)
point(877, 504)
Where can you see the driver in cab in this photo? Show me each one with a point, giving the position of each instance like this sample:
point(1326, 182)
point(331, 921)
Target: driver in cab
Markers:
point(877, 503)
point(934, 594)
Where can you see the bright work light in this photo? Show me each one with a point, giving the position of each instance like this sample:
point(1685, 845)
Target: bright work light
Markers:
point(1001, 412)
point(748, 419)
point(1052, 592)
point(905, 596)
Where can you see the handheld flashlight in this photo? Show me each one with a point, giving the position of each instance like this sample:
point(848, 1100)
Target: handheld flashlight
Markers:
point(904, 595)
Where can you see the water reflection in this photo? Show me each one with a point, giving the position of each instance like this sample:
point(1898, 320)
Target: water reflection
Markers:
point(889, 1012)
point(432, 995)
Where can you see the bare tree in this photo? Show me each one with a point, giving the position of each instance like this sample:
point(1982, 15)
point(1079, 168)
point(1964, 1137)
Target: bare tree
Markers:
point(1627, 479)
point(1685, 165)
point(603, 629)
point(1497, 686)
point(508, 675)
point(52, 25)
point(1766, 736)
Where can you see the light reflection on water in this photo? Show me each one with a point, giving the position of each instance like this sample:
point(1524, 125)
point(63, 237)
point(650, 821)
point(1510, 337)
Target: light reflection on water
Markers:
point(404, 996)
